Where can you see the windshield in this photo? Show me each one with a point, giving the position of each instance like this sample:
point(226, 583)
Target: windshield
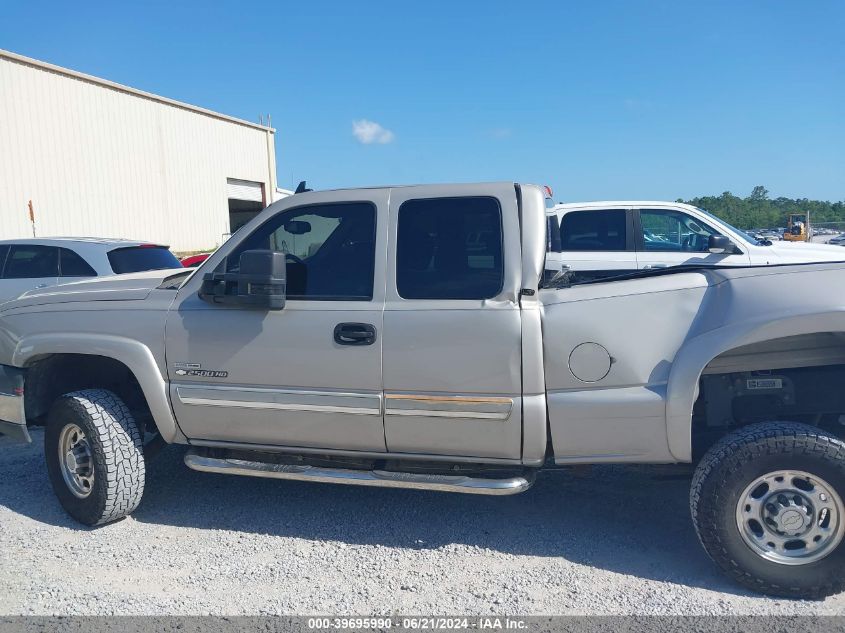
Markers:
point(742, 234)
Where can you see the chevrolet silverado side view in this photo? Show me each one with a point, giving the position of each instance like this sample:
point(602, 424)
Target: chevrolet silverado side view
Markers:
point(405, 337)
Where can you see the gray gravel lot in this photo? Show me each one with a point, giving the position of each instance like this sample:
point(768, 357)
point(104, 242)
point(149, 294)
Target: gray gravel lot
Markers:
point(614, 541)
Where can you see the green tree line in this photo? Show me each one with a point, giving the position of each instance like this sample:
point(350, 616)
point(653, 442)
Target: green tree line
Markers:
point(757, 210)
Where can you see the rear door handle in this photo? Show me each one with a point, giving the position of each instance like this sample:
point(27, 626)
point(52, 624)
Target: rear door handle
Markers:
point(354, 334)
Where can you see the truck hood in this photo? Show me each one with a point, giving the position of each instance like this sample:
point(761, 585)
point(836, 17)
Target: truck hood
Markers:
point(128, 287)
point(789, 252)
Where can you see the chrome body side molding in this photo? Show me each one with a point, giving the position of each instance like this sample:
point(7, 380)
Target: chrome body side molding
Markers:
point(280, 399)
point(487, 408)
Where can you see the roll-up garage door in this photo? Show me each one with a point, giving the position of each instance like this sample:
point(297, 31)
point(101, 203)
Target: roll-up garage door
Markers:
point(244, 190)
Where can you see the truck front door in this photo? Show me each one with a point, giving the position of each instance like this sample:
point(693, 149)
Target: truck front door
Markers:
point(308, 375)
point(452, 330)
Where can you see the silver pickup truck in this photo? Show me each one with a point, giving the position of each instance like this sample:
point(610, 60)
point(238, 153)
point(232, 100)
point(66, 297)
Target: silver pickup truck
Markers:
point(405, 337)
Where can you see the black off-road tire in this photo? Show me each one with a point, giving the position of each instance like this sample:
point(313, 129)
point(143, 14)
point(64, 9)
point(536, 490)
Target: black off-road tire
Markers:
point(117, 455)
point(734, 463)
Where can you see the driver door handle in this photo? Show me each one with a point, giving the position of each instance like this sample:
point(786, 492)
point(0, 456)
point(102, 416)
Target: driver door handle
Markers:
point(652, 266)
point(354, 334)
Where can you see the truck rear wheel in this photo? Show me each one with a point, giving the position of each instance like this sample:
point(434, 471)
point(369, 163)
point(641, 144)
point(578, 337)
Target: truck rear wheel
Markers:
point(95, 456)
point(767, 506)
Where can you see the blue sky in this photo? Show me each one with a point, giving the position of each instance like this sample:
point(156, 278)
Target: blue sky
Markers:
point(598, 99)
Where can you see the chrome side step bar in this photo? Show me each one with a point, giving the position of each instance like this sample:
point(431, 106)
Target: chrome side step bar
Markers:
point(382, 478)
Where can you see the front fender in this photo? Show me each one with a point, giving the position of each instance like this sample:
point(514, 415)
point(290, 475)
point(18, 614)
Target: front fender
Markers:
point(697, 353)
point(135, 355)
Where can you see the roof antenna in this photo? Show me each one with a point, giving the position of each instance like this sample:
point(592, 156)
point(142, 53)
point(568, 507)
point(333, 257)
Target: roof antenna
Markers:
point(301, 188)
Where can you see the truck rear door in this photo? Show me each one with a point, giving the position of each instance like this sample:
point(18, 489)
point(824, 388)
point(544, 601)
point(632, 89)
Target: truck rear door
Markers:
point(597, 243)
point(452, 330)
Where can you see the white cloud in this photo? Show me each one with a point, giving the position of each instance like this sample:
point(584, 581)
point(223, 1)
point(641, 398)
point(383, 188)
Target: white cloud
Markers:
point(368, 132)
point(500, 132)
point(637, 104)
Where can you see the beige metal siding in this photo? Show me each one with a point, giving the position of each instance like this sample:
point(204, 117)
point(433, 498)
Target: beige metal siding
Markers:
point(100, 160)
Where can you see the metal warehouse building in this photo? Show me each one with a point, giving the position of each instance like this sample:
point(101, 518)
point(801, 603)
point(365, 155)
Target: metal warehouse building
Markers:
point(100, 159)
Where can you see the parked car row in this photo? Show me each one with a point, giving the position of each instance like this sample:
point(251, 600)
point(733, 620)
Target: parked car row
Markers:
point(777, 233)
point(590, 239)
point(27, 264)
point(40, 263)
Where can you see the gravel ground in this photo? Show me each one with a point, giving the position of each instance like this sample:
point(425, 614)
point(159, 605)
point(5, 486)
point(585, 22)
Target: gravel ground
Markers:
point(613, 541)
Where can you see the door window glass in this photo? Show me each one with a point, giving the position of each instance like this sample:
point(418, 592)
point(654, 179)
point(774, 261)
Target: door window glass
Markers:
point(449, 248)
point(329, 248)
point(552, 234)
point(4, 253)
point(32, 262)
point(600, 230)
point(72, 265)
point(673, 231)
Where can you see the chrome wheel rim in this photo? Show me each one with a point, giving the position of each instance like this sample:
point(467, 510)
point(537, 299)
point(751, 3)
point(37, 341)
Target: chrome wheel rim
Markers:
point(76, 460)
point(790, 517)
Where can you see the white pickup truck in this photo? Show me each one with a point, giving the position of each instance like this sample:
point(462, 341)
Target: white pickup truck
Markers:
point(604, 239)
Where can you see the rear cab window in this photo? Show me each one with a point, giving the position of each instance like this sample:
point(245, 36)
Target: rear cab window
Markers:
point(450, 248)
point(134, 259)
point(605, 230)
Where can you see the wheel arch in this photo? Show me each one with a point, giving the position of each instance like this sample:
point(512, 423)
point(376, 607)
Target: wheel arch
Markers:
point(696, 354)
point(136, 357)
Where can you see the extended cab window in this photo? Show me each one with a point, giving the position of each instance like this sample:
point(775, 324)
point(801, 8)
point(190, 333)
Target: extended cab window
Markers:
point(673, 231)
point(330, 250)
point(32, 262)
point(594, 230)
point(449, 248)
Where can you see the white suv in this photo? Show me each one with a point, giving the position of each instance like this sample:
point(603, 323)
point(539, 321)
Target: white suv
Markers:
point(26, 264)
point(604, 239)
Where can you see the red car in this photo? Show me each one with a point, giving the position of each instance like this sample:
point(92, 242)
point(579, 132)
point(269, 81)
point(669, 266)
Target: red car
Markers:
point(192, 261)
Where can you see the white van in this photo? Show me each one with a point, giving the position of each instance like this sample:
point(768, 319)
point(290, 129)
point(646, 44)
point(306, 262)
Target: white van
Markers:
point(604, 239)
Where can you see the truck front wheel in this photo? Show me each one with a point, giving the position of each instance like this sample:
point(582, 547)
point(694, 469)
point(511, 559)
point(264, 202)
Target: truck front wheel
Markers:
point(767, 505)
point(95, 456)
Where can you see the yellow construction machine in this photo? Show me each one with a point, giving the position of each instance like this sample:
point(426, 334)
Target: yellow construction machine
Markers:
point(798, 228)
